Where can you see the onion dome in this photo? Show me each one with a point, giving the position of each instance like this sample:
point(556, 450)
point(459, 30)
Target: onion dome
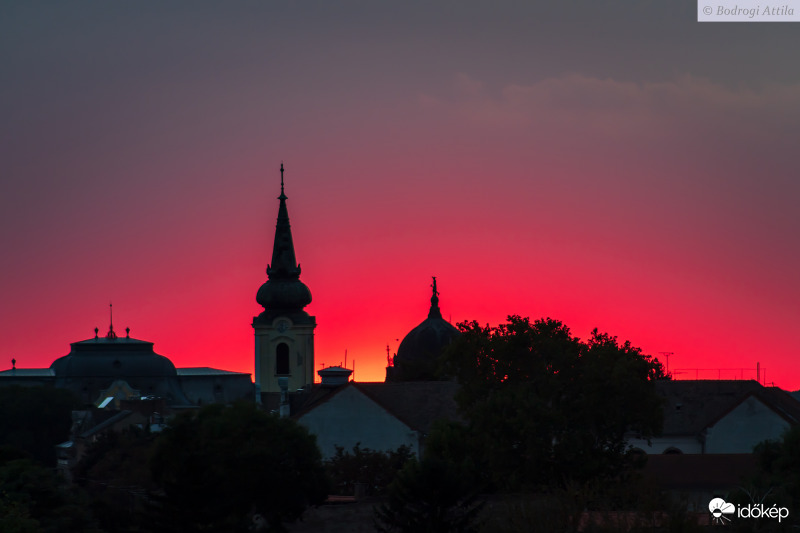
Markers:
point(425, 343)
point(283, 293)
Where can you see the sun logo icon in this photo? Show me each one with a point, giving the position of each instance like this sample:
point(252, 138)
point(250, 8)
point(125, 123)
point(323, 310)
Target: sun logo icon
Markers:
point(719, 508)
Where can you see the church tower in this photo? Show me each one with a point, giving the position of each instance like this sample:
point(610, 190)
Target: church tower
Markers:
point(284, 332)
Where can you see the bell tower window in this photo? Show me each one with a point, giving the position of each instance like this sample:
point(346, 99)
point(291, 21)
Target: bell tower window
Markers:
point(282, 359)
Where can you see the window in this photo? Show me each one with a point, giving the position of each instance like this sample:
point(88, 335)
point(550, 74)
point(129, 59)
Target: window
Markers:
point(282, 359)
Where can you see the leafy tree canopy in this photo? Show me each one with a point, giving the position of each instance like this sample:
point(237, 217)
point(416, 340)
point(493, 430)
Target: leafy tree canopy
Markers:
point(372, 468)
point(226, 468)
point(35, 419)
point(777, 479)
point(114, 475)
point(34, 498)
point(430, 496)
point(543, 407)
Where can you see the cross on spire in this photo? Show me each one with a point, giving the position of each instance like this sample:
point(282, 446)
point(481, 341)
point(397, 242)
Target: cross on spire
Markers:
point(282, 196)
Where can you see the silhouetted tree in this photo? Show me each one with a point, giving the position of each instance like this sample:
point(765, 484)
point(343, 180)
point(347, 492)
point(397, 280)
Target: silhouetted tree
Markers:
point(776, 482)
point(542, 407)
point(373, 468)
point(779, 465)
point(228, 468)
point(34, 498)
point(430, 496)
point(35, 419)
point(114, 474)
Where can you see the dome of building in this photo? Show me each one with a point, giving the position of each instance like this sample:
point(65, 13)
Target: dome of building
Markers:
point(427, 340)
point(424, 343)
point(93, 364)
point(112, 358)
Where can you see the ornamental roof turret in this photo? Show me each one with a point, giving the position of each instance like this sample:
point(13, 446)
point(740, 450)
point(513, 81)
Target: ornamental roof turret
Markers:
point(283, 293)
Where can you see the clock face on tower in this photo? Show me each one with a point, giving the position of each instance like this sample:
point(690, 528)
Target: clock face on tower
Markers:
point(282, 326)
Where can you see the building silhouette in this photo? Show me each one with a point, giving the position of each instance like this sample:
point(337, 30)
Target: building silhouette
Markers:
point(284, 331)
point(106, 370)
point(419, 350)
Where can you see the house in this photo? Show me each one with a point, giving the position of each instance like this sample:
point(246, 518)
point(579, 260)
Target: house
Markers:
point(379, 416)
point(710, 431)
point(719, 417)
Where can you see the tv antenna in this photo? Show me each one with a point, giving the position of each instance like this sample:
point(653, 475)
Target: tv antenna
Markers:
point(666, 355)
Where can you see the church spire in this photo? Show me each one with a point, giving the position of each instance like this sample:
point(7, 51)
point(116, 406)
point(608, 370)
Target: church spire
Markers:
point(284, 265)
point(283, 292)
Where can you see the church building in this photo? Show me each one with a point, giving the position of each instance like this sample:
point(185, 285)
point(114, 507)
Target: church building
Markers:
point(340, 412)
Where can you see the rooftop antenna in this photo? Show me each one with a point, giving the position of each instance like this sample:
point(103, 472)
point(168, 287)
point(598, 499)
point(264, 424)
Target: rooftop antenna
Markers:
point(345, 357)
point(667, 354)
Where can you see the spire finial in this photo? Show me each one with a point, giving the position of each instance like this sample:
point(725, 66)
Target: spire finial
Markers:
point(434, 312)
point(281, 178)
point(13, 364)
point(111, 334)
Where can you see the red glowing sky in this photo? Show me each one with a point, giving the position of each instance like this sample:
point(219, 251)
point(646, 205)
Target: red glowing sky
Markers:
point(622, 168)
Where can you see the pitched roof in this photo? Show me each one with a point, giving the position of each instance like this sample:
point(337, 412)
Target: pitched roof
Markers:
point(27, 372)
point(782, 402)
point(122, 415)
point(418, 404)
point(692, 406)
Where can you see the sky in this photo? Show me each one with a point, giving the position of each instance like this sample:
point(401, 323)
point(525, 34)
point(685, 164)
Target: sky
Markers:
point(610, 164)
